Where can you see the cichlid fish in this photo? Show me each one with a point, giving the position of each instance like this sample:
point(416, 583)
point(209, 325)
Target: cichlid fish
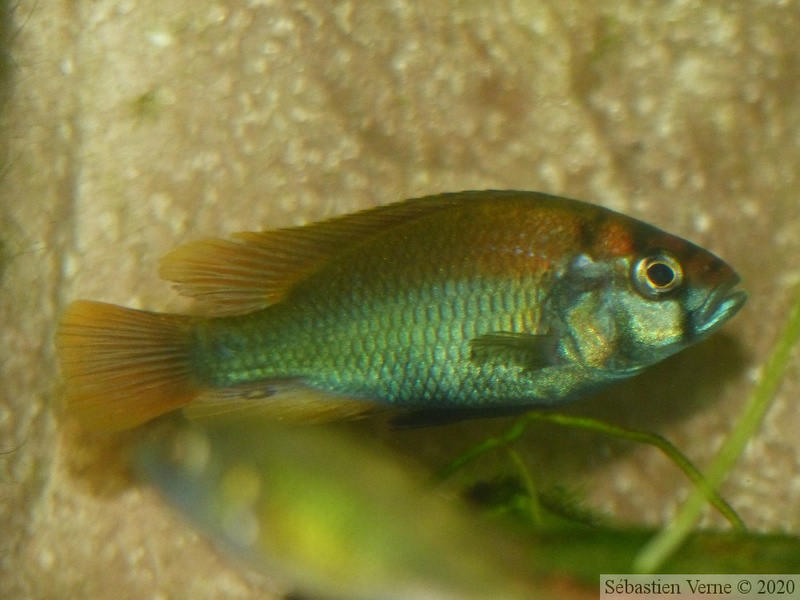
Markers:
point(332, 516)
point(472, 300)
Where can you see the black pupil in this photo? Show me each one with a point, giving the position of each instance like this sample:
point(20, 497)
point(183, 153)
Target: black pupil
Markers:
point(660, 274)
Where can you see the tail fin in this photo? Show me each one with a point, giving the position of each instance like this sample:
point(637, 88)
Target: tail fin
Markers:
point(122, 366)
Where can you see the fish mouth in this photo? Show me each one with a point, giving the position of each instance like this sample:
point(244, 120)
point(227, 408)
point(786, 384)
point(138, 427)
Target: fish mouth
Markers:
point(719, 306)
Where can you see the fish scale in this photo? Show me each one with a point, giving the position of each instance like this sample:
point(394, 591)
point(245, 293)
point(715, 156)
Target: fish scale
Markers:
point(387, 322)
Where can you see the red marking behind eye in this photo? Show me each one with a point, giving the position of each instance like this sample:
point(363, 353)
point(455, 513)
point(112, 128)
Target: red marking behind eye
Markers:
point(614, 239)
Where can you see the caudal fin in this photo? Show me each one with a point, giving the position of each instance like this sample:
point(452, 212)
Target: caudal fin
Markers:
point(122, 366)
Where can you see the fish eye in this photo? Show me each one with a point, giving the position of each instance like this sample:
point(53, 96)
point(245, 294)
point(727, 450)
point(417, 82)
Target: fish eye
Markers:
point(657, 275)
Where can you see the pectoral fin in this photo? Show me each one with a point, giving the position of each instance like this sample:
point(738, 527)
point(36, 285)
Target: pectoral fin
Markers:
point(524, 349)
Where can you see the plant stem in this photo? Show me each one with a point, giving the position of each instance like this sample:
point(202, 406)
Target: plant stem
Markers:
point(664, 544)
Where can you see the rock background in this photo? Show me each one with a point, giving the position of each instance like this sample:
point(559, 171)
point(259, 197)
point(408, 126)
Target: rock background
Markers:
point(132, 126)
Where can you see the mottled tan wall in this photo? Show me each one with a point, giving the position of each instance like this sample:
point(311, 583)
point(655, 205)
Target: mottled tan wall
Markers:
point(137, 125)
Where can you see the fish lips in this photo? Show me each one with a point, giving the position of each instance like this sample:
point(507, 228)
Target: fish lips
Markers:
point(719, 306)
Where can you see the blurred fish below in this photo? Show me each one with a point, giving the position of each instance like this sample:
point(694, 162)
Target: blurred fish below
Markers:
point(332, 517)
point(466, 302)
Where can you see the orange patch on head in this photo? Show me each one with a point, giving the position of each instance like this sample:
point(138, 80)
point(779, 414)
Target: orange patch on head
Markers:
point(614, 239)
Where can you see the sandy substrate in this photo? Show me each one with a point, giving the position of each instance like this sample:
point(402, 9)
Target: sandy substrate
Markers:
point(134, 126)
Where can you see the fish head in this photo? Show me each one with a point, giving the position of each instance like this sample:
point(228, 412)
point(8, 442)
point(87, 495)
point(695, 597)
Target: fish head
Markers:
point(627, 306)
point(675, 297)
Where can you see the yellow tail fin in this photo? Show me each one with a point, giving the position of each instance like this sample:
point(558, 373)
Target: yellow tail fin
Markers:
point(122, 366)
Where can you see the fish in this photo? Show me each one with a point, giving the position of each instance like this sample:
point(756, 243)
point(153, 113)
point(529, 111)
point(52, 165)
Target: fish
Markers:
point(327, 513)
point(470, 301)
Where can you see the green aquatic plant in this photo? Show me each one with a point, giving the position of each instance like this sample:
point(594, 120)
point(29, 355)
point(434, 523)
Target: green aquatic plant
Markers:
point(670, 539)
point(514, 434)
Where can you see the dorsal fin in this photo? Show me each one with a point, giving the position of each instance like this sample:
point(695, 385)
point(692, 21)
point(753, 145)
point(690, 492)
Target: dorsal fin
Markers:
point(253, 270)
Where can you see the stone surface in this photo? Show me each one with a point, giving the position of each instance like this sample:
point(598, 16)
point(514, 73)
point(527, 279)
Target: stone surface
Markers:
point(132, 127)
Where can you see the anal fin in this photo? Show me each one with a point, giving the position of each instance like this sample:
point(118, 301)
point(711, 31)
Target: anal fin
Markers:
point(281, 400)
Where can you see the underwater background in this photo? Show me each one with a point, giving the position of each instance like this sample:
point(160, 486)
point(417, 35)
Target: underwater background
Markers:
point(129, 128)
